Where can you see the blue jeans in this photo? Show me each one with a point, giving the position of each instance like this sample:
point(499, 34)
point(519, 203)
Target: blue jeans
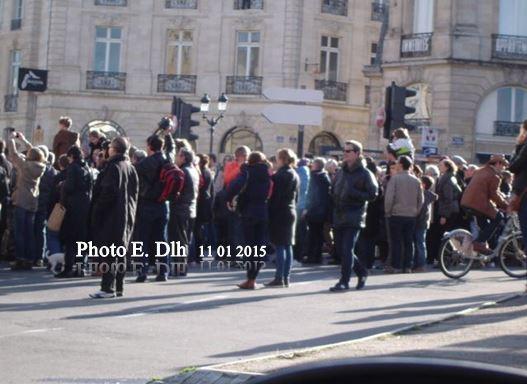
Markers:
point(420, 247)
point(40, 234)
point(284, 258)
point(53, 242)
point(24, 234)
point(152, 221)
point(402, 235)
point(254, 234)
point(345, 241)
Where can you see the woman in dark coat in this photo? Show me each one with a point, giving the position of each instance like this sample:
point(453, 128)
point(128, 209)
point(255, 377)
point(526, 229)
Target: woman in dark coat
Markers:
point(205, 197)
point(519, 168)
point(252, 186)
point(76, 196)
point(317, 210)
point(282, 215)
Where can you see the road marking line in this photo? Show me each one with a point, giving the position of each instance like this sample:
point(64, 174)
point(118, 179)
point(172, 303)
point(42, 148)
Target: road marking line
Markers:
point(32, 331)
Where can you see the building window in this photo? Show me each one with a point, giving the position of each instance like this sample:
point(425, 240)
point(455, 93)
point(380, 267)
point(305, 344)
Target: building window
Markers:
point(247, 53)
point(423, 16)
point(15, 63)
point(373, 53)
point(1, 13)
point(512, 104)
point(324, 144)
point(335, 7)
point(181, 4)
point(248, 4)
point(329, 58)
point(179, 53)
point(107, 49)
point(367, 94)
point(512, 17)
point(113, 3)
point(16, 20)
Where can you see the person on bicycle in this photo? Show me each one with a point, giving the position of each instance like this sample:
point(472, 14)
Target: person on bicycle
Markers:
point(483, 199)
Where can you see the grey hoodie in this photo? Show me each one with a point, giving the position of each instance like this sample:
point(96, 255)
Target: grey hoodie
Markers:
point(28, 177)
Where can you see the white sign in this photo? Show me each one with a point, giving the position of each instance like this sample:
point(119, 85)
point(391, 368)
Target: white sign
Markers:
point(430, 137)
point(293, 114)
point(294, 95)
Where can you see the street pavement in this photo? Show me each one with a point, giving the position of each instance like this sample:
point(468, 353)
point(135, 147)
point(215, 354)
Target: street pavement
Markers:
point(53, 333)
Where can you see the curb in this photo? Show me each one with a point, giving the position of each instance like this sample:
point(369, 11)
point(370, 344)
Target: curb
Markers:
point(220, 373)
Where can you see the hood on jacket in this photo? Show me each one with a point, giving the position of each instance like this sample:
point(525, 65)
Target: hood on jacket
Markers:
point(35, 169)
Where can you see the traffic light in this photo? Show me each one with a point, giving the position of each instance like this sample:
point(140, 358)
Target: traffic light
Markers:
point(183, 115)
point(396, 109)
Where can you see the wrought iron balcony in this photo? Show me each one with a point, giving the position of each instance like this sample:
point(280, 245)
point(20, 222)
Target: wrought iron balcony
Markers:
point(506, 128)
point(10, 103)
point(416, 45)
point(378, 11)
point(16, 24)
point(509, 47)
point(181, 4)
point(333, 90)
point(335, 7)
point(110, 81)
point(248, 4)
point(114, 3)
point(417, 125)
point(176, 83)
point(244, 85)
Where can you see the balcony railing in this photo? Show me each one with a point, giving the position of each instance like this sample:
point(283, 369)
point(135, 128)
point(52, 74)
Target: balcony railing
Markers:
point(181, 4)
point(176, 83)
point(335, 7)
point(10, 103)
point(16, 24)
point(417, 125)
point(333, 90)
point(110, 81)
point(248, 4)
point(509, 47)
point(244, 85)
point(113, 3)
point(506, 128)
point(416, 45)
point(378, 11)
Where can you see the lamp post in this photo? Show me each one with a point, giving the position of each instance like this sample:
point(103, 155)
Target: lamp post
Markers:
point(205, 106)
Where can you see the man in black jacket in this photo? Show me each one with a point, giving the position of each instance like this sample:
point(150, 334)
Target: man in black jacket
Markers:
point(354, 186)
point(152, 215)
point(113, 215)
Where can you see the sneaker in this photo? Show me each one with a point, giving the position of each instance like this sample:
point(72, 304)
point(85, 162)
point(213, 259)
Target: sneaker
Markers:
point(276, 283)
point(286, 282)
point(296, 264)
point(119, 293)
point(102, 295)
point(339, 287)
point(161, 278)
point(140, 279)
point(361, 283)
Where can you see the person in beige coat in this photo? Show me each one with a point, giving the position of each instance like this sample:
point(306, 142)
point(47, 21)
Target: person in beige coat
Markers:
point(29, 169)
point(402, 204)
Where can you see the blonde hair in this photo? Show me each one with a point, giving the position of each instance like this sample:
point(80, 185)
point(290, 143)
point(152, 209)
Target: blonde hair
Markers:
point(287, 156)
point(35, 154)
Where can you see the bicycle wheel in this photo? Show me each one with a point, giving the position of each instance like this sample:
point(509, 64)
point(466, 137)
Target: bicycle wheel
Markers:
point(513, 260)
point(454, 254)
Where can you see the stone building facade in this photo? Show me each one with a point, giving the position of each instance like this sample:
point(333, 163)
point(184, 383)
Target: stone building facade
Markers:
point(468, 61)
point(115, 65)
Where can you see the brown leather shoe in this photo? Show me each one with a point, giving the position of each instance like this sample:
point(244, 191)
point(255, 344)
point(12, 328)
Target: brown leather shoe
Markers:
point(482, 248)
point(249, 284)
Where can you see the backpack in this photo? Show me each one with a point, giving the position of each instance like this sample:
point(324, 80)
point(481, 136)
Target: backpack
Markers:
point(172, 179)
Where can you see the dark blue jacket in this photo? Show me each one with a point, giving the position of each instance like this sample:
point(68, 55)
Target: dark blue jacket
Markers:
point(46, 187)
point(252, 186)
point(318, 202)
point(282, 206)
point(354, 187)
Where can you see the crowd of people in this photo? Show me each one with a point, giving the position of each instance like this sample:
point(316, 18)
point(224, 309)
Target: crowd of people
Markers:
point(389, 215)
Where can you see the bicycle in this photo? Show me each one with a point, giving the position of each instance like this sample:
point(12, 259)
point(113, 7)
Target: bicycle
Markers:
point(456, 254)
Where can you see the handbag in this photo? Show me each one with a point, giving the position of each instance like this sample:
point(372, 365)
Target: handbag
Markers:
point(516, 201)
point(56, 218)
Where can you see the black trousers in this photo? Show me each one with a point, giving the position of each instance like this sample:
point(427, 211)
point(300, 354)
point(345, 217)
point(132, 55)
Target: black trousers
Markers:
point(315, 241)
point(254, 234)
point(180, 228)
point(114, 270)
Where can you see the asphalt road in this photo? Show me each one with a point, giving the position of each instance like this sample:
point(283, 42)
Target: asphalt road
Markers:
point(53, 333)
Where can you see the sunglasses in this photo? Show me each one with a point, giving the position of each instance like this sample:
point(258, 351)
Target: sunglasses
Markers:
point(349, 150)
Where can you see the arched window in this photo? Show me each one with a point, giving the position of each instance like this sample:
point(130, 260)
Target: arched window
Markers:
point(502, 111)
point(239, 136)
point(110, 129)
point(323, 143)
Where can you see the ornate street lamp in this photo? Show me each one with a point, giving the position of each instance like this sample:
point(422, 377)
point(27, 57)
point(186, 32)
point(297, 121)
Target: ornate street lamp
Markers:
point(205, 107)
